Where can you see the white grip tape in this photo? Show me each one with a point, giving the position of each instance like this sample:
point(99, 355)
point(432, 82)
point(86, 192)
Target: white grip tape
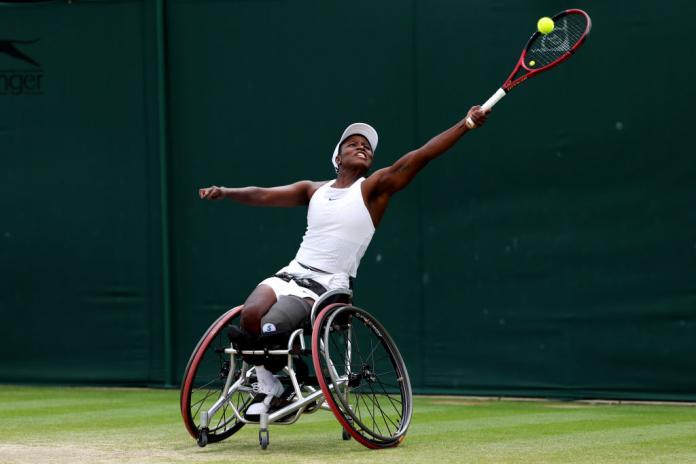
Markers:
point(495, 98)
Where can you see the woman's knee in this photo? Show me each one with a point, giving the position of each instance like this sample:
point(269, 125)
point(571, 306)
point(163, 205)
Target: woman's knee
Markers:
point(255, 307)
point(251, 319)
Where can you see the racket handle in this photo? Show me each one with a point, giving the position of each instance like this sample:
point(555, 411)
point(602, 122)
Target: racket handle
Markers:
point(495, 98)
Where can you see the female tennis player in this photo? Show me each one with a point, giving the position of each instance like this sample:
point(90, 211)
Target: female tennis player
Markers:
point(341, 220)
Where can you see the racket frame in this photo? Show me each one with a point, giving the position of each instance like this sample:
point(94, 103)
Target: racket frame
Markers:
point(511, 82)
point(521, 63)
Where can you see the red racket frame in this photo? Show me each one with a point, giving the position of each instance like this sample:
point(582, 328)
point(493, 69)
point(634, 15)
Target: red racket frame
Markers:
point(510, 83)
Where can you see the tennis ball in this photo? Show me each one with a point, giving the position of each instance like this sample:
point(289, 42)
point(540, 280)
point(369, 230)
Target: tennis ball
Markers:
point(545, 25)
point(532, 63)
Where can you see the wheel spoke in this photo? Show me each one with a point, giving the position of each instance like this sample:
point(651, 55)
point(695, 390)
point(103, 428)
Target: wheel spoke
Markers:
point(384, 414)
point(202, 401)
point(371, 413)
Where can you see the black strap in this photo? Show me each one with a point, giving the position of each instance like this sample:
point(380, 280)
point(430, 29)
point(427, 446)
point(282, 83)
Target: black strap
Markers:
point(310, 284)
point(351, 280)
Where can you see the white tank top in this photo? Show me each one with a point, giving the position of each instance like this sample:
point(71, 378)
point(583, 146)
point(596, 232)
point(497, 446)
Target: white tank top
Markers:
point(339, 229)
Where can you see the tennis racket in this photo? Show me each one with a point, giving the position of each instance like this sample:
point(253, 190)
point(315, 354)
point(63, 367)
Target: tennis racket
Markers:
point(544, 51)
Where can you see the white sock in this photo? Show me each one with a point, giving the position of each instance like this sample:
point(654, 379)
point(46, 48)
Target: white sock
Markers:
point(268, 384)
point(263, 375)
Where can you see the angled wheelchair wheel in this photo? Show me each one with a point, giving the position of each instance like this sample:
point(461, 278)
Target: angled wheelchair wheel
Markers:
point(362, 375)
point(207, 373)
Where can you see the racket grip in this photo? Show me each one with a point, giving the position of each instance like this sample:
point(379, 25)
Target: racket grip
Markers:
point(495, 98)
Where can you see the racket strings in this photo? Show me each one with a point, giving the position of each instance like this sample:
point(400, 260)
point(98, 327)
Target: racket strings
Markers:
point(569, 29)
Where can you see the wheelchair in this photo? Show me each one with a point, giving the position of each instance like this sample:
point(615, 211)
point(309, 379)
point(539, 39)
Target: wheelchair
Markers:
point(359, 375)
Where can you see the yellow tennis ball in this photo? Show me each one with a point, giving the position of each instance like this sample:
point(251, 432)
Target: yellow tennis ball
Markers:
point(532, 63)
point(545, 25)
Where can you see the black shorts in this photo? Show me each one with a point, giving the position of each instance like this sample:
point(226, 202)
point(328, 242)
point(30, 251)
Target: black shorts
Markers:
point(288, 314)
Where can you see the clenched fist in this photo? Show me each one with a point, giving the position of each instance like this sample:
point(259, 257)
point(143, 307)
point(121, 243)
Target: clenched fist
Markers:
point(212, 193)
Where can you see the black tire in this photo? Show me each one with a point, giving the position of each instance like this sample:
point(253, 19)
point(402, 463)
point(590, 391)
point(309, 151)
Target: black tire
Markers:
point(202, 440)
point(204, 379)
point(264, 439)
point(362, 375)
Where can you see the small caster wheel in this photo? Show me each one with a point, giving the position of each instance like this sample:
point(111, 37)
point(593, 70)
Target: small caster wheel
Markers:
point(263, 439)
point(202, 437)
point(346, 435)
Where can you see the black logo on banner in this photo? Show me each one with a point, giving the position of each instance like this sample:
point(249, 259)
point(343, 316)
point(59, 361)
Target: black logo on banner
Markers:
point(22, 80)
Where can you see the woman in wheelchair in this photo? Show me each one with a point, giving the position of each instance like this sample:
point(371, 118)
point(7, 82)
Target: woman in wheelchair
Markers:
point(341, 220)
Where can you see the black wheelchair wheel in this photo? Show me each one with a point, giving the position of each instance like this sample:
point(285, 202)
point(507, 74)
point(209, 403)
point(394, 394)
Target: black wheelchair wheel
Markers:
point(362, 375)
point(206, 374)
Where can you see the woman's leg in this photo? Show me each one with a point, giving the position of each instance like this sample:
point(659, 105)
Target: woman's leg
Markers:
point(255, 307)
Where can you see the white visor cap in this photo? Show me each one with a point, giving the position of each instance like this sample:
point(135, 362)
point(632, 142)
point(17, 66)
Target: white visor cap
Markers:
point(359, 128)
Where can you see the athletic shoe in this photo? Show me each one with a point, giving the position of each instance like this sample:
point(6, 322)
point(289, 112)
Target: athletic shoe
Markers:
point(269, 387)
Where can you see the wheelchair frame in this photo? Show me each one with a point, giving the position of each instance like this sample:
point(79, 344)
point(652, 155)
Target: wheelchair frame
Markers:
point(332, 393)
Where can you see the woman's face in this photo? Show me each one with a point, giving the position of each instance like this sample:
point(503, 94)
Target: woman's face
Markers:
point(355, 151)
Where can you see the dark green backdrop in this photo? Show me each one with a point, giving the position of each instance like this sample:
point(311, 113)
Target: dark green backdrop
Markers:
point(552, 253)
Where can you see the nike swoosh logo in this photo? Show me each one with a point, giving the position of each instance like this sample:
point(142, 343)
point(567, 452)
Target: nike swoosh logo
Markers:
point(332, 199)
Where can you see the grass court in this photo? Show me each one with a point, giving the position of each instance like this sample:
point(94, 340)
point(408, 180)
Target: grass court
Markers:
point(111, 425)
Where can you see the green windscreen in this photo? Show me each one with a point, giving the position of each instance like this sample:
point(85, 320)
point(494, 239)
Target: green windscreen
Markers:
point(550, 253)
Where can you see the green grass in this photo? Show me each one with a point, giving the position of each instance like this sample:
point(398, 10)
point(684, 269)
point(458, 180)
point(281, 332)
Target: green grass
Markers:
point(93, 425)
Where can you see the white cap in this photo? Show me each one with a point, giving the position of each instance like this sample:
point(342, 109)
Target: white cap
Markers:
point(359, 128)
